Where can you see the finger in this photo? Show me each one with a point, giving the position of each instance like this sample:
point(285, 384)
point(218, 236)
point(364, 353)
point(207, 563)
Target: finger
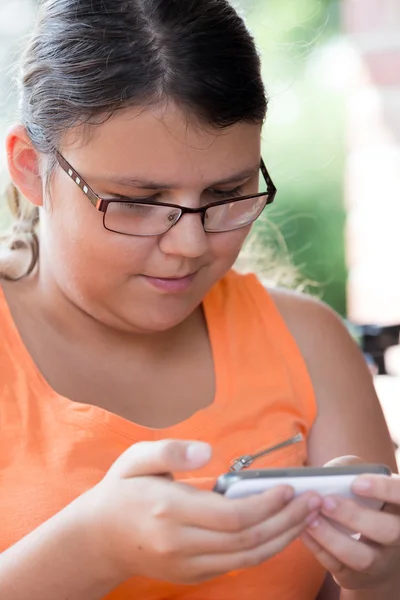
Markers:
point(213, 565)
point(326, 559)
point(345, 461)
point(380, 487)
point(351, 553)
point(381, 528)
point(212, 511)
point(159, 458)
point(294, 515)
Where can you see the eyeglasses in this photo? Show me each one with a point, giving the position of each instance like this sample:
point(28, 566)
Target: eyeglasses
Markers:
point(150, 218)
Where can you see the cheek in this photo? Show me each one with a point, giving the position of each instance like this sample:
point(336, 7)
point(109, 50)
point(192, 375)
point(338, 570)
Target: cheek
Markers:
point(226, 246)
point(86, 253)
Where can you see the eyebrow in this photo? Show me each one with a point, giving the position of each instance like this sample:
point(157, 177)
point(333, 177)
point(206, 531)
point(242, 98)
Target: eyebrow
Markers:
point(146, 184)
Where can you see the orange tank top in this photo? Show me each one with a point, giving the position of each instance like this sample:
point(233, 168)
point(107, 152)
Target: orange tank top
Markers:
point(53, 449)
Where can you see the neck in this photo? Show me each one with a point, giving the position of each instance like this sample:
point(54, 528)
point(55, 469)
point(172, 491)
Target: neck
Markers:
point(50, 306)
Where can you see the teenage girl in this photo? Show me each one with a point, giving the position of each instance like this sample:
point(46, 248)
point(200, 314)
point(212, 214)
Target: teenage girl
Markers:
point(135, 365)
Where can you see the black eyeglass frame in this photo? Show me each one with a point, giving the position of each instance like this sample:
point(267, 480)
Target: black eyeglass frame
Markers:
point(101, 204)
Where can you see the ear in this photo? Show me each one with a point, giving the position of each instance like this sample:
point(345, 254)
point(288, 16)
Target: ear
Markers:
point(23, 164)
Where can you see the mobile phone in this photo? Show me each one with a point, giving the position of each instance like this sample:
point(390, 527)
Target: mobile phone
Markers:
point(322, 480)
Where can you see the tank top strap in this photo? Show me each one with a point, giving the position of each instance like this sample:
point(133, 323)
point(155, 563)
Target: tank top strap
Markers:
point(286, 345)
point(252, 323)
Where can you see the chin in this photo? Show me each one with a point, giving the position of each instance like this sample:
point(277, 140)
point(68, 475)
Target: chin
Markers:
point(156, 319)
point(150, 326)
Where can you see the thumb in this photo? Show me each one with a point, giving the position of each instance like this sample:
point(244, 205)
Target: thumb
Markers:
point(161, 458)
point(345, 461)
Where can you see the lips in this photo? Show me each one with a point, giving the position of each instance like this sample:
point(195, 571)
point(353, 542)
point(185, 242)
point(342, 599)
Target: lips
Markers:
point(171, 285)
point(173, 278)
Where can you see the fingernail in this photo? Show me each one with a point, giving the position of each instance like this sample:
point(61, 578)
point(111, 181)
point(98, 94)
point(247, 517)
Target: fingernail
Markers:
point(329, 504)
point(312, 521)
point(362, 485)
point(314, 503)
point(198, 453)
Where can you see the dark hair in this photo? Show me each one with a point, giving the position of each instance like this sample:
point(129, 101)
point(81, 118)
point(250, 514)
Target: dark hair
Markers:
point(88, 59)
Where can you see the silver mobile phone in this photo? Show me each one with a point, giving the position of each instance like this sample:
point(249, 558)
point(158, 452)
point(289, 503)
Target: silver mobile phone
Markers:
point(322, 480)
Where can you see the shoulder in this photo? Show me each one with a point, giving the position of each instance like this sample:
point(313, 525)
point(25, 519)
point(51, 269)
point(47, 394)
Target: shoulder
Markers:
point(311, 323)
point(322, 337)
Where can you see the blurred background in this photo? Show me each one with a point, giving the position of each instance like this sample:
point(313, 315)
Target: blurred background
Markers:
point(332, 145)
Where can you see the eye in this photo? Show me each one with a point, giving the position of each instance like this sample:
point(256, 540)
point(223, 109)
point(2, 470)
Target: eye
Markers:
point(126, 199)
point(135, 207)
point(237, 191)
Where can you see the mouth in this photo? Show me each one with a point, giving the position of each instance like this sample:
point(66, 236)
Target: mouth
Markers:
point(172, 285)
point(173, 278)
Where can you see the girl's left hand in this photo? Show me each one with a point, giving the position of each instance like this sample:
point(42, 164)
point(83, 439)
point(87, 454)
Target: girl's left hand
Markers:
point(374, 559)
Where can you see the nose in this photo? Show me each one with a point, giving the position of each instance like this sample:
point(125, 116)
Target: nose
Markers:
point(187, 238)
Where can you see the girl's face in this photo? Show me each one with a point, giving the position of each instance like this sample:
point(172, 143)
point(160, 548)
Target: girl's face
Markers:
point(146, 284)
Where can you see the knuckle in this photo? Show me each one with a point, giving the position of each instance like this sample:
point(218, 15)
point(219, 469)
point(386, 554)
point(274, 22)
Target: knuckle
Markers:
point(166, 450)
point(234, 518)
point(250, 538)
point(243, 540)
point(165, 546)
point(257, 535)
point(162, 509)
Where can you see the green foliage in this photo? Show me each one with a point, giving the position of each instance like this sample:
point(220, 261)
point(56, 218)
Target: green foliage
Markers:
point(303, 139)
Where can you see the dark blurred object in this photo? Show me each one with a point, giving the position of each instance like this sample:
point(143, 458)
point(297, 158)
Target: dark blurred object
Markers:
point(375, 340)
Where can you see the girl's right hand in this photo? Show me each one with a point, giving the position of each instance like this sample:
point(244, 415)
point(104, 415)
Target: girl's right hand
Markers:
point(147, 524)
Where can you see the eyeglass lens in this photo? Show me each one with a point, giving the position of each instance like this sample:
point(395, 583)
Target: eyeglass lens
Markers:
point(146, 219)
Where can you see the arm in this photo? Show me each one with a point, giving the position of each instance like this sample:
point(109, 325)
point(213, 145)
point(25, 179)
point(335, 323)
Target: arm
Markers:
point(350, 420)
point(56, 561)
point(389, 591)
point(331, 591)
